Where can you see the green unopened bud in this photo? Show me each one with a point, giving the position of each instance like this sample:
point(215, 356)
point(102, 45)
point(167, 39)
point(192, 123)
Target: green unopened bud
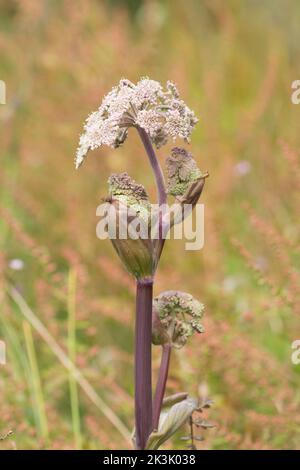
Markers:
point(182, 170)
point(185, 182)
point(178, 318)
point(160, 334)
point(123, 188)
point(129, 225)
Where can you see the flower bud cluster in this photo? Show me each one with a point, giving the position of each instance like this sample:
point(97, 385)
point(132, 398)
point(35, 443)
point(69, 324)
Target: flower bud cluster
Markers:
point(177, 317)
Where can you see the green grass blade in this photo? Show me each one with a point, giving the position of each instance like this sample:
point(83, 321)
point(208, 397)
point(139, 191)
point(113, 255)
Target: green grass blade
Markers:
point(85, 385)
point(75, 410)
point(36, 381)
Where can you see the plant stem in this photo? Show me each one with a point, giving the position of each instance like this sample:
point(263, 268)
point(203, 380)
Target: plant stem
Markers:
point(161, 384)
point(159, 176)
point(143, 388)
point(143, 369)
point(161, 190)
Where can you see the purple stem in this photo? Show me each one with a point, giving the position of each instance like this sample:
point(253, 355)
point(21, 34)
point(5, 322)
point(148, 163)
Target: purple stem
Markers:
point(143, 368)
point(161, 189)
point(144, 297)
point(159, 176)
point(161, 384)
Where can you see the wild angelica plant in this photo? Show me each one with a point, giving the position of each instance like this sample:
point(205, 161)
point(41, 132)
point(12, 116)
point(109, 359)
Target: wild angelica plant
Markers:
point(168, 321)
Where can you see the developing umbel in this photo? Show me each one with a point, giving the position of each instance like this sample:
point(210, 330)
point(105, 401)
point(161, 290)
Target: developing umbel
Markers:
point(128, 225)
point(176, 317)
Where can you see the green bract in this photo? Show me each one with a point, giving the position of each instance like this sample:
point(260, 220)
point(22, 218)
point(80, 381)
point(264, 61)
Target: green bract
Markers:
point(129, 225)
point(171, 419)
point(123, 188)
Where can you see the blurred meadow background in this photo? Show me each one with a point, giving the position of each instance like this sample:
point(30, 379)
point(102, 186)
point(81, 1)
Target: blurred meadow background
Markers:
point(64, 297)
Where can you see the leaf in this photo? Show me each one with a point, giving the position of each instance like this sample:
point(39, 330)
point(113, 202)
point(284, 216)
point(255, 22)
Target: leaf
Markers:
point(170, 421)
point(202, 423)
point(173, 399)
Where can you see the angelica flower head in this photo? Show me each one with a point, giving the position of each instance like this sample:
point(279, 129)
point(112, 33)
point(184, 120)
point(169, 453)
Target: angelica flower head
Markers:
point(160, 112)
point(178, 316)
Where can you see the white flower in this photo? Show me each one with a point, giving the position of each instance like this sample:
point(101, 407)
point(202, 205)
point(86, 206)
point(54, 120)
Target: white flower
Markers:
point(16, 264)
point(149, 120)
point(242, 168)
point(159, 112)
point(146, 92)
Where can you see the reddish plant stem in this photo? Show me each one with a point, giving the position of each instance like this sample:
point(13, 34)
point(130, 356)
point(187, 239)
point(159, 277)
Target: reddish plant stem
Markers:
point(161, 384)
point(159, 176)
point(143, 368)
point(161, 190)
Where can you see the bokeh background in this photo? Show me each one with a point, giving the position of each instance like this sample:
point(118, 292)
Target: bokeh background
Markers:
point(234, 63)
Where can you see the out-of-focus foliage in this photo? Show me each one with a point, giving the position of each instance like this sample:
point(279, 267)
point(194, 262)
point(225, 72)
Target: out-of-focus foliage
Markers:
point(234, 63)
